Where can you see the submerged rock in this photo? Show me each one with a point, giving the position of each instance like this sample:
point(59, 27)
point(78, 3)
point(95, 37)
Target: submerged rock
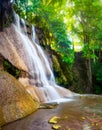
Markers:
point(15, 102)
point(49, 105)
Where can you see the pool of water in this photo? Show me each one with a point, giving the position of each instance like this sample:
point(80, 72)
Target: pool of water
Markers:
point(82, 112)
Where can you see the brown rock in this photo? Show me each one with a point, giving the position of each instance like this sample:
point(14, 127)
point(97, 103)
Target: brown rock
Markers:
point(1, 62)
point(15, 102)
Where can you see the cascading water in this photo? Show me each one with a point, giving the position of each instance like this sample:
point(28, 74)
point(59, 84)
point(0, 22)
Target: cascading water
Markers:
point(29, 57)
point(43, 59)
point(38, 66)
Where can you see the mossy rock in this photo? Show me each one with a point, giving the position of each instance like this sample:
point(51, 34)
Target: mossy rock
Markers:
point(15, 102)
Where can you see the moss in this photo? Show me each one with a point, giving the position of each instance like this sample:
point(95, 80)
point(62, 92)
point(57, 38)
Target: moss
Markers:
point(8, 67)
point(62, 72)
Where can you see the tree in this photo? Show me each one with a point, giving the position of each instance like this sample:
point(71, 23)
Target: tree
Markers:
point(85, 20)
point(49, 16)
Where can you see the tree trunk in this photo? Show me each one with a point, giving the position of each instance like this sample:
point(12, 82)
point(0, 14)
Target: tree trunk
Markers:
point(88, 65)
point(89, 75)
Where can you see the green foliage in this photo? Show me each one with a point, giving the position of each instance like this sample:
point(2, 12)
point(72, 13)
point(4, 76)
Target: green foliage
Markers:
point(62, 43)
point(81, 19)
point(97, 77)
point(84, 23)
point(97, 89)
point(48, 15)
point(88, 51)
point(11, 69)
point(97, 71)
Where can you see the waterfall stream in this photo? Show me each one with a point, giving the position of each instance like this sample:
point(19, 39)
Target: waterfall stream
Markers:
point(26, 54)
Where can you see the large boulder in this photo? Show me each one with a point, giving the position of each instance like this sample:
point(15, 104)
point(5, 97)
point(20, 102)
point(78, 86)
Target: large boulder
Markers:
point(15, 102)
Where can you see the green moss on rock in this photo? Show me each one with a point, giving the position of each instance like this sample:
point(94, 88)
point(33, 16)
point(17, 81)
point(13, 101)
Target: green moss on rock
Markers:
point(63, 73)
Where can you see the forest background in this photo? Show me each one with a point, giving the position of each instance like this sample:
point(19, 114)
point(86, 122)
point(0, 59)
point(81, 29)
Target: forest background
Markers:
point(71, 32)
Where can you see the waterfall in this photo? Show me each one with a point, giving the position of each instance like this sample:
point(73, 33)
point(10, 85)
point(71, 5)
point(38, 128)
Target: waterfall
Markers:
point(26, 54)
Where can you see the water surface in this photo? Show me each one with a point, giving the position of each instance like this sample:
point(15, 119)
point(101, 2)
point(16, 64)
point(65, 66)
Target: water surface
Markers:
point(78, 113)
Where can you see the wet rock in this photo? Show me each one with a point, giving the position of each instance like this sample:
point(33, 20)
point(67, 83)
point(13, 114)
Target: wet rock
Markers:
point(54, 119)
point(49, 105)
point(15, 102)
point(1, 62)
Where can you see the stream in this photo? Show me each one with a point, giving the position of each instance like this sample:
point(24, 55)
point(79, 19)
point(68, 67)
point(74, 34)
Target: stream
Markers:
point(82, 112)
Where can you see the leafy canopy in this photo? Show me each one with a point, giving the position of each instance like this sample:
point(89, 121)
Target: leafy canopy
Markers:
point(48, 14)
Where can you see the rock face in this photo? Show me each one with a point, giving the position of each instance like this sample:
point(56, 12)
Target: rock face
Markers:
point(15, 102)
point(81, 82)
